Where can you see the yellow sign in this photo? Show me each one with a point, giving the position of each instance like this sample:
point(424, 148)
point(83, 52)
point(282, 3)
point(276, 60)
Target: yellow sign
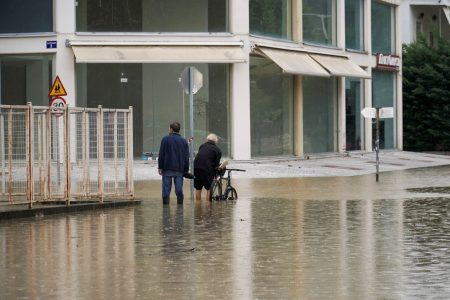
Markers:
point(57, 88)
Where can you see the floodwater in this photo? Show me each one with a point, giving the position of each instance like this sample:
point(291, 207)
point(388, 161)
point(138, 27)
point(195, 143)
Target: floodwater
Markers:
point(302, 238)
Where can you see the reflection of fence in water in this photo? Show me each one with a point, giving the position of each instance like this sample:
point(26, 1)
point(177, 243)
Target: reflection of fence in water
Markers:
point(84, 152)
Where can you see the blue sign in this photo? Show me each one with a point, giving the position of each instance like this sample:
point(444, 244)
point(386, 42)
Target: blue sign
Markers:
point(51, 44)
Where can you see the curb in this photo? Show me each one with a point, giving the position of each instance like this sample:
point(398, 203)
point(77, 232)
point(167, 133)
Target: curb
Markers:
point(40, 210)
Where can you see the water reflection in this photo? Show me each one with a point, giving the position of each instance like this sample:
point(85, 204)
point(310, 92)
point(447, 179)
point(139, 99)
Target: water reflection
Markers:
point(339, 238)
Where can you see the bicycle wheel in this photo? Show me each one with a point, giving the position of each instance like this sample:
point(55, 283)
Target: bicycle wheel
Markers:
point(231, 194)
point(216, 190)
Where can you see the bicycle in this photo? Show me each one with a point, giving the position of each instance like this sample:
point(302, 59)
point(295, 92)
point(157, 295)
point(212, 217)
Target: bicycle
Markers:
point(218, 193)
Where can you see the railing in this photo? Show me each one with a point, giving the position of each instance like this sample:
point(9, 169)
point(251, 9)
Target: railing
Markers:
point(73, 153)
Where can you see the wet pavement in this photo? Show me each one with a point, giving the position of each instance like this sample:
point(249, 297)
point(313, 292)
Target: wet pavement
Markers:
point(290, 238)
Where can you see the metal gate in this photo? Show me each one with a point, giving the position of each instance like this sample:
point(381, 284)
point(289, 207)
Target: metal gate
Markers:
point(74, 153)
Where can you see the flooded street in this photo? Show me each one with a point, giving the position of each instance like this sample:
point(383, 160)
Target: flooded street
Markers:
point(295, 238)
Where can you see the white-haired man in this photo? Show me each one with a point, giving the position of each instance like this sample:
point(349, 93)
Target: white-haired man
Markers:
point(205, 164)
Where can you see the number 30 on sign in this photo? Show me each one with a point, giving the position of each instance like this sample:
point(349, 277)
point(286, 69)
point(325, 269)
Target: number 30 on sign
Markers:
point(58, 104)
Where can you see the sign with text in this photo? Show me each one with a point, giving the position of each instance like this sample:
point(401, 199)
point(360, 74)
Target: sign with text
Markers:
point(388, 62)
point(58, 104)
point(383, 112)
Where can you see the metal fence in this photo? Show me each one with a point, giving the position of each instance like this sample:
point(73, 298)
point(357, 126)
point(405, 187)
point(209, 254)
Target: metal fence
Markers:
point(73, 153)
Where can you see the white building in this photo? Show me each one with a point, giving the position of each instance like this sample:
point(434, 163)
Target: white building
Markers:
point(280, 77)
point(426, 17)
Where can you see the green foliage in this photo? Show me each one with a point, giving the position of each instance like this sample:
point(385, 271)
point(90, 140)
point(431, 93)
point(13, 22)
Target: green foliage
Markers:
point(426, 96)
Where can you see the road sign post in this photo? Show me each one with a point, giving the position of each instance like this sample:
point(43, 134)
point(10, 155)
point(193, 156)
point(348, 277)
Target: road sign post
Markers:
point(192, 81)
point(377, 113)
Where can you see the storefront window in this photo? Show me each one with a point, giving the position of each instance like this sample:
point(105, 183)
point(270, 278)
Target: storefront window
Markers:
point(152, 16)
point(353, 118)
point(319, 22)
point(271, 102)
point(271, 18)
point(157, 97)
point(319, 114)
point(26, 16)
point(25, 78)
point(382, 28)
point(354, 24)
point(384, 96)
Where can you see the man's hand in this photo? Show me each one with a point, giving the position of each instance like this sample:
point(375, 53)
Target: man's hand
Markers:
point(160, 171)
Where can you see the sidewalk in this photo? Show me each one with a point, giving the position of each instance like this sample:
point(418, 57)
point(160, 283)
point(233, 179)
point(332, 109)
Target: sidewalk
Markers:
point(350, 164)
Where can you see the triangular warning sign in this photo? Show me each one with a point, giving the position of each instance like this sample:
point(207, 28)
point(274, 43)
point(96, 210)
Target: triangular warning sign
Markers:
point(57, 88)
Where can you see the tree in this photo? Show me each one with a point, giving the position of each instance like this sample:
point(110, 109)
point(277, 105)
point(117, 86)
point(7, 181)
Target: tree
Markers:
point(426, 96)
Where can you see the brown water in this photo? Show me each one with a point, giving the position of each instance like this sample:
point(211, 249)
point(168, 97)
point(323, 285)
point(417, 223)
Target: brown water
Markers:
point(317, 238)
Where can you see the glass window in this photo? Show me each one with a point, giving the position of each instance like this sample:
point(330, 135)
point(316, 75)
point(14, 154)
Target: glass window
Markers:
point(152, 16)
point(26, 16)
point(353, 118)
point(271, 102)
point(319, 114)
point(382, 28)
point(319, 22)
point(354, 24)
point(271, 18)
point(157, 97)
point(25, 78)
point(384, 96)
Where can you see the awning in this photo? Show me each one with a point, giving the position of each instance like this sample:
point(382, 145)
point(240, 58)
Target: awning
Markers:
point(294, 62)
point(340, 66)
point(158, 54)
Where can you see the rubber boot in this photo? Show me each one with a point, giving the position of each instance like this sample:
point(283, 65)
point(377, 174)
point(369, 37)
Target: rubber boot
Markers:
point(165, 200)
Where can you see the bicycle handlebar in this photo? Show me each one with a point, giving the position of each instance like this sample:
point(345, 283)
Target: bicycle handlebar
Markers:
point(240, 170)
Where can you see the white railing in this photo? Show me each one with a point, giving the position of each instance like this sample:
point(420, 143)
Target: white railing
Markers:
point(73, 153)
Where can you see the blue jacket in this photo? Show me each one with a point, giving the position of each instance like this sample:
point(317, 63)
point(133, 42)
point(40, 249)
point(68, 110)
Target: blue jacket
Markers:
point(174, 153)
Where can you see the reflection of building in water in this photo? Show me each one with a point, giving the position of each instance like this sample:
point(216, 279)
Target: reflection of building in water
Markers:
point(60, 256)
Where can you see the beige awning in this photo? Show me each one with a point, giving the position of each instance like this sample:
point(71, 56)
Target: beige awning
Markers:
point(294, 62)
point(158, 54)
point(340, 66)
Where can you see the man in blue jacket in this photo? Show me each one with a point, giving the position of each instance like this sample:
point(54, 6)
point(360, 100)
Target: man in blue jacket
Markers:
point(173, 162)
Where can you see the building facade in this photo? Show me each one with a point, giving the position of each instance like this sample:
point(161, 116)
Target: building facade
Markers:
point(280, 77)
point(429, 18)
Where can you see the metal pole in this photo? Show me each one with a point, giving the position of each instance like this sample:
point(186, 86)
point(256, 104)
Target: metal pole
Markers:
point(377, 141)
point(191, 117)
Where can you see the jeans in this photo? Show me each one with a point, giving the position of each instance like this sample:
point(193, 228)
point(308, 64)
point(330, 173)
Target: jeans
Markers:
point(167, 183)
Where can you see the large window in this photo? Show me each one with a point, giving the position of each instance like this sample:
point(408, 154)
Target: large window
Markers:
point(25, 78)
point(319, 22)
point(384, 96)
point(354, 24)
point(383, 36)
point(152, 16)
point(271, 109)
point(271, 18)
point(26, 16)
point(353, 118)
point(319, 114)
point(157, 97)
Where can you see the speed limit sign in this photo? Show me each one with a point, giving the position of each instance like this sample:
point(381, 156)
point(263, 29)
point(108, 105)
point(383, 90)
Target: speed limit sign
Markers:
point(58, 104)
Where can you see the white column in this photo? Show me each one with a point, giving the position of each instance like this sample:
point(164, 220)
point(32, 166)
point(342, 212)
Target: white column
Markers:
point(341, 115)
point(240, 111)
point(398, 86)
point(64, 63)
point(240, 84)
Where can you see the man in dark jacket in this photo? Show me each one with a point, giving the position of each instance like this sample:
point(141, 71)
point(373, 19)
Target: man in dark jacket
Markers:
point(205, 164)
point(173, 162)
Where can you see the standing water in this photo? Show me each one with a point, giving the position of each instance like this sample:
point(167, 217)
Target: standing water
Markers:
point(302, 238)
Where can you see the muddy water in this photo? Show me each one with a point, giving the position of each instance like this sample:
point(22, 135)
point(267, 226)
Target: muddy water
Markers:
point(317, 238)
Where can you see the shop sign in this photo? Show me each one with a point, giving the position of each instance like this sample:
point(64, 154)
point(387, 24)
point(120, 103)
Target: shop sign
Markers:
point(388, 62)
